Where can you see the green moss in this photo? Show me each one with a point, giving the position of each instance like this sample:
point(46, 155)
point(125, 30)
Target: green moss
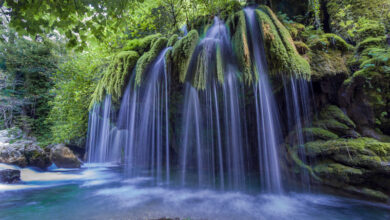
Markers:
point(182, 53)
point(241, 47)
point(368, 147)
point(172, 40)
point(282, 56)
point(302, 48)
point(333, 112)
point(328, 41)
point(115, 76)
point(328, 63)
point(340, 172)
point(147, 58)
point(141, 45)
point(319, 133)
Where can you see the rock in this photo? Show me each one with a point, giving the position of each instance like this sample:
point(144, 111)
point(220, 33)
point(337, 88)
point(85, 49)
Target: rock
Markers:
point(63, 157)
point(21, 152)
point(9, 176)
point(12, 154)
point(36, 156)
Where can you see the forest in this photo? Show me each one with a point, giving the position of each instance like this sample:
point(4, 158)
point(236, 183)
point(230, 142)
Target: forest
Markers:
point(195, 109)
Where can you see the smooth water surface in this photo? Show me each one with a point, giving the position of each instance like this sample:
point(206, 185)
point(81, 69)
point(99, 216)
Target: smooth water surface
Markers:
point(103, 192)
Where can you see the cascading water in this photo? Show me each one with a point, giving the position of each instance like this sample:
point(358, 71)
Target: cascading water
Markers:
point(143, 121)
point(101, 133)
point(214, 148)
point(213, 138)
point(268, 129)
point(297, 97)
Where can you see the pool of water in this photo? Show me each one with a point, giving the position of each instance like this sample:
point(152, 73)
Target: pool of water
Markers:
point(103, 192)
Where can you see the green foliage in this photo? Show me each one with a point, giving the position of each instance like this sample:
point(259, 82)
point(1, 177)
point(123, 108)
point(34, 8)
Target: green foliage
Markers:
point(25, 82)
point(75, 82)
point(141, 45)
point(357, 19)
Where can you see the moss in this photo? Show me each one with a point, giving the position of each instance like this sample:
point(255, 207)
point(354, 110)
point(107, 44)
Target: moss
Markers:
point(115, 76)
point(332, 171)
point(319, 133)
point(172, 40)
point(282, 56)
point(241, 47)
point(302, 48)
point(333, 112)
point(182, 53)
point(368, 147)
point(328, 41)
point(328, 63)
point(147, 58)
point(141, 45)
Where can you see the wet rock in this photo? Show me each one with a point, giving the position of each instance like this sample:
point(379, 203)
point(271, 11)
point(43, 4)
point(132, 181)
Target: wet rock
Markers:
point(63, 157)
point(36, 156)
point(9, 176)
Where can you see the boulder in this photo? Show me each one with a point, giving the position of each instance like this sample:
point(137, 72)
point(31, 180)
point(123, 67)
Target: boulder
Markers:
point(12, 154)
point(9, 176)
point(36, 156)
point(63, 157)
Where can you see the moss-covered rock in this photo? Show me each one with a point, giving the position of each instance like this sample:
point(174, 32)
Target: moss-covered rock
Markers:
point(141, 45)
point(147, 58)
point(172, 40)
point(182, 52)
point(115, 76)
point(351, 165)
point(282, 56)
point(241, 46)
point(319, 134)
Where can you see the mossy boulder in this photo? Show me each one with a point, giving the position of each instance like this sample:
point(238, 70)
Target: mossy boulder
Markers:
point(350, 165)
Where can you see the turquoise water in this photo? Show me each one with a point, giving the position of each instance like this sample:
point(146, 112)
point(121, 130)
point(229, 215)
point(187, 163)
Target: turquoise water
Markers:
point(105, 193)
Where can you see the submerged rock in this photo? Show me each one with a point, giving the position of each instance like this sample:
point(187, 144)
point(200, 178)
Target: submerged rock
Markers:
point(63, 157)
point(9, 176)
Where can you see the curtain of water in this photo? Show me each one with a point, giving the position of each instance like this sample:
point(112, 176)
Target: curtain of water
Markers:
point(212, 130)
point(268, 129)
point(297, 97)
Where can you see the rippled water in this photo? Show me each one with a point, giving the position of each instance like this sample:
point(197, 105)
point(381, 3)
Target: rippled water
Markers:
point(99, 192)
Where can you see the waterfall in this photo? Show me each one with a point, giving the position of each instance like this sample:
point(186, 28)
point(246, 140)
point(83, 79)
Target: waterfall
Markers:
point(297, 97)
point(222, 136)
point(268, 129)
point(212, 130)
point(144, 121)
point(101, 133)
